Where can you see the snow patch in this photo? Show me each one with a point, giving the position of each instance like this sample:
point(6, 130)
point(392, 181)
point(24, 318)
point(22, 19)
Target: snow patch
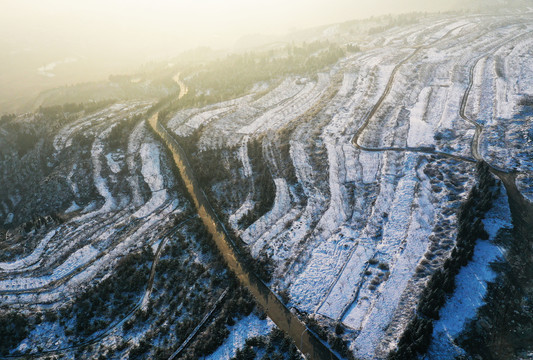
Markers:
point(420, 132)
point(151, 170)
point(471, 284)
point(30, 259)
point(245, 328)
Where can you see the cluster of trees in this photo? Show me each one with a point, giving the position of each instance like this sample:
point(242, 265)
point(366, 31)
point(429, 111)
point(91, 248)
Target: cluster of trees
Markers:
point(234, 75)
point(41, 221)
point(120, 78)
point(333, 337)
point(217, 172)
point(151, 86)
point(524, 101)
point(178, 273)
point(140, 349)
point(417, 336)
point(28, 168)
point(352, 48)
point(118, 137)
point(237, 304)
point(7, 117)
point(503, 326)
point(209, 168)
point(263, 266)
point(214, 167)
point(47, 120)
point(277, 346)
point(283, 144)
point(110, 299)
point(183, 291)
point(26, 135)
point(398, 20)
point(240, 303)
point(264, 186)
point(13, 329)
point(23, 136)
point(26, 139)
point(130, 82)
point(53, 111)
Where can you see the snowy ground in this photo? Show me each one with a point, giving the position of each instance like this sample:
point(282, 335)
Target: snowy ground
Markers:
point(471, 284)
point(245, 328)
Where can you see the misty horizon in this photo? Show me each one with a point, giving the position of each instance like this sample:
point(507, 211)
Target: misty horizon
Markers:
point(58, 43)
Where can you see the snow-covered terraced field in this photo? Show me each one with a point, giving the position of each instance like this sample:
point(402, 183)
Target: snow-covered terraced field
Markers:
point(369, 159)
point(119, 220)
point(350, 252)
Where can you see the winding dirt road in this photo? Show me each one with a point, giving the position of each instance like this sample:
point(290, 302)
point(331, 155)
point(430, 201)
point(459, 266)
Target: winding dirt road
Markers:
point(475, 145)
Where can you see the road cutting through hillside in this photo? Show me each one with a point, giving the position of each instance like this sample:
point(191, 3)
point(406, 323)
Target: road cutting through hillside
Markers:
point(306, 341)
point(183, 88)
point(523, 210)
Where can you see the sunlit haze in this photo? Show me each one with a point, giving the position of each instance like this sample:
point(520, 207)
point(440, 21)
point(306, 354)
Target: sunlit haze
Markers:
point(97, 38)
point(165, 26)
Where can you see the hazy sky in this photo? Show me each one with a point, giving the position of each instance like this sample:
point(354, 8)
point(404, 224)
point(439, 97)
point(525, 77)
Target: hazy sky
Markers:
point(50, 43)
point(137, 25)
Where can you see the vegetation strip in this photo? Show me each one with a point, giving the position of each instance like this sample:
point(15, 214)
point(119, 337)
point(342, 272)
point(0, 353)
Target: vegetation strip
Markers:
point(198, 327)
point(417, 336)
